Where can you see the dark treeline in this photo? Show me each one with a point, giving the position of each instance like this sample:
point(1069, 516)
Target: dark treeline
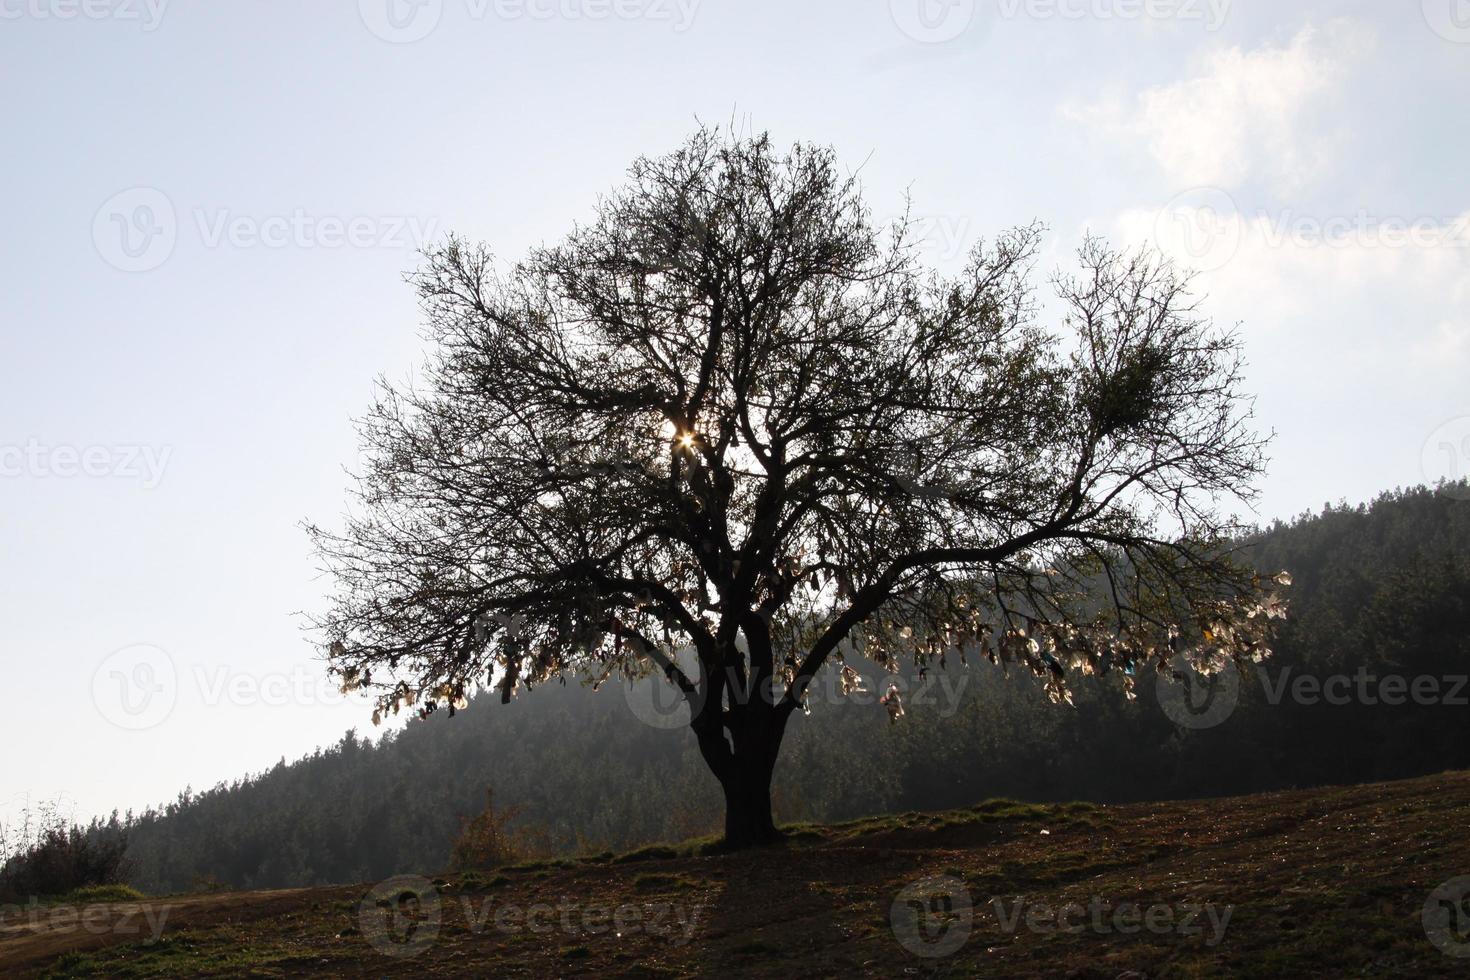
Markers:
point(1380, 591)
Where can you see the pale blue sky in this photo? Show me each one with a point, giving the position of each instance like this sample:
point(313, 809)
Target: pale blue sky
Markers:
point(164, 429)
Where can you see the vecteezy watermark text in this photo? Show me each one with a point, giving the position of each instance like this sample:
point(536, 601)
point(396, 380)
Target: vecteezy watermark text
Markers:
point(301, 229)
point(148, 14)
point(1206, 228)
point(401, 917)
point(1102, 917)
point(94, 920)
point(407, 21)
point(1366, 688)
point(938, 21)
point(1211, 13)
point(659, 704)
point(38, 460)
point(1195, 701)
point(934, 917)
point(137, 687)
point(136, 230)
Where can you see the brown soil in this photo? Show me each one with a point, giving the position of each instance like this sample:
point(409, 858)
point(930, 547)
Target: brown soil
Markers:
point(1323, 883)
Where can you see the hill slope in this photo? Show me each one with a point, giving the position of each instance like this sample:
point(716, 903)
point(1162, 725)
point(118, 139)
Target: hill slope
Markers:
point(1328, 882)
point(1383, 588)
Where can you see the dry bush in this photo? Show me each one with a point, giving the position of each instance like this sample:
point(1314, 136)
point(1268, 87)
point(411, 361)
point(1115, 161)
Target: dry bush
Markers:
point(487, 841)
point(48, 855)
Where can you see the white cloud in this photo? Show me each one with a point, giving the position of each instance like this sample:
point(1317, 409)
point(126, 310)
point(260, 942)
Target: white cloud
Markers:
point(1358, 337)
point(1395, 286)
point(1356, 319)
point(1246, 114)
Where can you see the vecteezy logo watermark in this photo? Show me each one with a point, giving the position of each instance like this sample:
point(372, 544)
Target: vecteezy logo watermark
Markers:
point(400, 917)
point(1450, 19)
point(656, 702)
point(1202, 226)
point(1446, 917)
point(407, 21)
point(135, 230)
point(932, 917)
point(933, 21)
point(1446, 458)
point(147, 13)
point(401, 21)
point(39, 461)
point(1195, 700)
point(136, 687)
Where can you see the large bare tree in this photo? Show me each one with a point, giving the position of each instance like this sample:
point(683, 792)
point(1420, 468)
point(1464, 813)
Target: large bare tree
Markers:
point(735, 416)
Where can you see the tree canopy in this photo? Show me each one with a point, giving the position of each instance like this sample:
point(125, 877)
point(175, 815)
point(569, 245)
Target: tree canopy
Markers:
point(734, 415)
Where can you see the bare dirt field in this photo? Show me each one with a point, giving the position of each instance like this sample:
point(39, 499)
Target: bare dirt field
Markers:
point(1325, 883)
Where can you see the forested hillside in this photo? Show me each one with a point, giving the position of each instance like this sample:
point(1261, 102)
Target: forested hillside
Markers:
point(1381, 591)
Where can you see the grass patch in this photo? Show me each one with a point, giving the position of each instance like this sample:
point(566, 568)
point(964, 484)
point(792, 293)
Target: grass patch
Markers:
point(653, 852)
point(103, 893)
point(170, 956)
point(1077, 807)
point(1005, 809)
point(548, 865)
point(72, 964)
point(798, 833)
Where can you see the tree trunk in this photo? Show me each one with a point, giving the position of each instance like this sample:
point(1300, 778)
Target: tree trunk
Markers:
point(748, 819)
point(740, 745)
